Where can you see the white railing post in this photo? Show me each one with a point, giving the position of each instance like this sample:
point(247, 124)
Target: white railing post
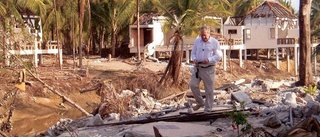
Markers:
point(296, 59)
point(277, 58)
point(224, 59)
point(240, 58)
point(35, 50)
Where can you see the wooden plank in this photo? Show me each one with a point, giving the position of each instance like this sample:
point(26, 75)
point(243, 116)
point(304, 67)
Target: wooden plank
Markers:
point(215, 110)
point(177, 118)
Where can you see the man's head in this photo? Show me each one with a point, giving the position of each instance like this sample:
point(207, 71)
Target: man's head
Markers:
point(205, 33)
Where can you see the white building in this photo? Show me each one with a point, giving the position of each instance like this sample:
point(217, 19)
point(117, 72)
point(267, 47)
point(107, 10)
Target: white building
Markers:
point(268, 26)
point(28, 39)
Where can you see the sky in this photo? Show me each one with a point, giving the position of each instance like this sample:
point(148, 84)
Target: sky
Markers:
point(295, 4)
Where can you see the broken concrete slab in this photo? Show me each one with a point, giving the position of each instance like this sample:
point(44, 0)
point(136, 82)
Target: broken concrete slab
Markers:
point(172, 129)
point(241, 96)
point(273, 122)
point(309, 98)
point(312, 108)
point(290, 99)
point(240, 81)
point(229, 88)
point(96, 120)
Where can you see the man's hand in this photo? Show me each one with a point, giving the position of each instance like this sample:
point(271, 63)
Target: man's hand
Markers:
point(195, 61)
point(206, 61)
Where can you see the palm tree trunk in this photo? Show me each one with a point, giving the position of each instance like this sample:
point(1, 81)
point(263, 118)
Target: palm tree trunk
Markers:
point(101, 40)
point(305, 72)
point(176, 62)
point(57, 32)
point(138, 30)
point(72, 39)
point(81, 16)
point(5, 51)
point(174, 65)
point(113, 42)
point(89, 28)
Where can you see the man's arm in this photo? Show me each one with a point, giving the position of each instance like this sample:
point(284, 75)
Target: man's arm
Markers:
point(194, 51)
point(217, 54)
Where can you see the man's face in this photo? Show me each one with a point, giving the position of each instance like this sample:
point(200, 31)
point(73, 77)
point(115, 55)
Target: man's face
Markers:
point(205, 35)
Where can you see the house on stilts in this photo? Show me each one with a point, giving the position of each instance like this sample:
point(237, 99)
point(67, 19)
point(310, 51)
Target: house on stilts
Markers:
point(27, 39)
point(270, 26)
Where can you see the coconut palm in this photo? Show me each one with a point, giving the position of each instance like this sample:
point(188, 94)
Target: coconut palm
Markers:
point(37, 7)
point(315, 17)
point(287, 4)
point(110, 18)
point(238, 8)
point(185, 17)
point(118, 13)
point(8, 9)
point(9, 15)
point(2, 9)
point(99, 22)
point(315, 22)
point(305, 71)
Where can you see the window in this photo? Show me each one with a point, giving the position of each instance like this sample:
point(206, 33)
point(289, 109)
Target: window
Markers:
point(248, 33)
point(218, 30)
point(272, 33)
point(232, 31)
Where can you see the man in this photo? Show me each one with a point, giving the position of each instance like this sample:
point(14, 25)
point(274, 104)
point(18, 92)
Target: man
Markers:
point(206, 53)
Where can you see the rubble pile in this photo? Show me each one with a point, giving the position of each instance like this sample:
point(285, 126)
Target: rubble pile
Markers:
point(282, 109)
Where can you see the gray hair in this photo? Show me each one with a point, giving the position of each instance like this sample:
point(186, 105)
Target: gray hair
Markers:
point(205, 28)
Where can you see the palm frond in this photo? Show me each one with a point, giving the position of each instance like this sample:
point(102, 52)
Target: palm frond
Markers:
point(3, 10)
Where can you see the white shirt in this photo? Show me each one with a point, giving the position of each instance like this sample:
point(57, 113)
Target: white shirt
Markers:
point(206, 50)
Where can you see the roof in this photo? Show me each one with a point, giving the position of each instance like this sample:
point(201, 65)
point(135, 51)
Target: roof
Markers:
point(268, 7)
point(146, 19)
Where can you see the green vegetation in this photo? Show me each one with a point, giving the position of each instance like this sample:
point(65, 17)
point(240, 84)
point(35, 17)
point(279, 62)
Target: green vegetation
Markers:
point(311, 90)
point(238, 117)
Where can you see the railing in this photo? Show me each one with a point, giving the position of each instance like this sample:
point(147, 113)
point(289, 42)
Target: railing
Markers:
point(26, 46)
point(52, 45)
point(283, 41)
point(230, 42)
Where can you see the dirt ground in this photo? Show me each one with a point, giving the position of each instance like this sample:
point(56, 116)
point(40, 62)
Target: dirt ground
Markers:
point(37, 108)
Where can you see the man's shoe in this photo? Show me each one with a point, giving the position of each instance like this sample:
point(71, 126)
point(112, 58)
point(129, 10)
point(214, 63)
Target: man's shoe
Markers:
point(207, 111)
point(197, 107)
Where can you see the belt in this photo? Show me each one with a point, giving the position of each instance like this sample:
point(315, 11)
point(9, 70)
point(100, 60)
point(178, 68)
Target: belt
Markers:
point(197, 73)
point(206, 66)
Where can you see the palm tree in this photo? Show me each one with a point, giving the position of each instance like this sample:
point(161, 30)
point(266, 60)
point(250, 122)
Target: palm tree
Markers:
point(238, 8)
point(99, 21)
point(185, 17)
point(81, 18)
point(305, 72)
point(287, 4)
point(8, 11)
point(315, 23)
point(315, 17)
point(37, 7)
point(2, 9)
point(118, 14)
point(57, 31)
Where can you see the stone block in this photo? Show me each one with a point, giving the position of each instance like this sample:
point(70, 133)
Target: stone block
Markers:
point(241, 96)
